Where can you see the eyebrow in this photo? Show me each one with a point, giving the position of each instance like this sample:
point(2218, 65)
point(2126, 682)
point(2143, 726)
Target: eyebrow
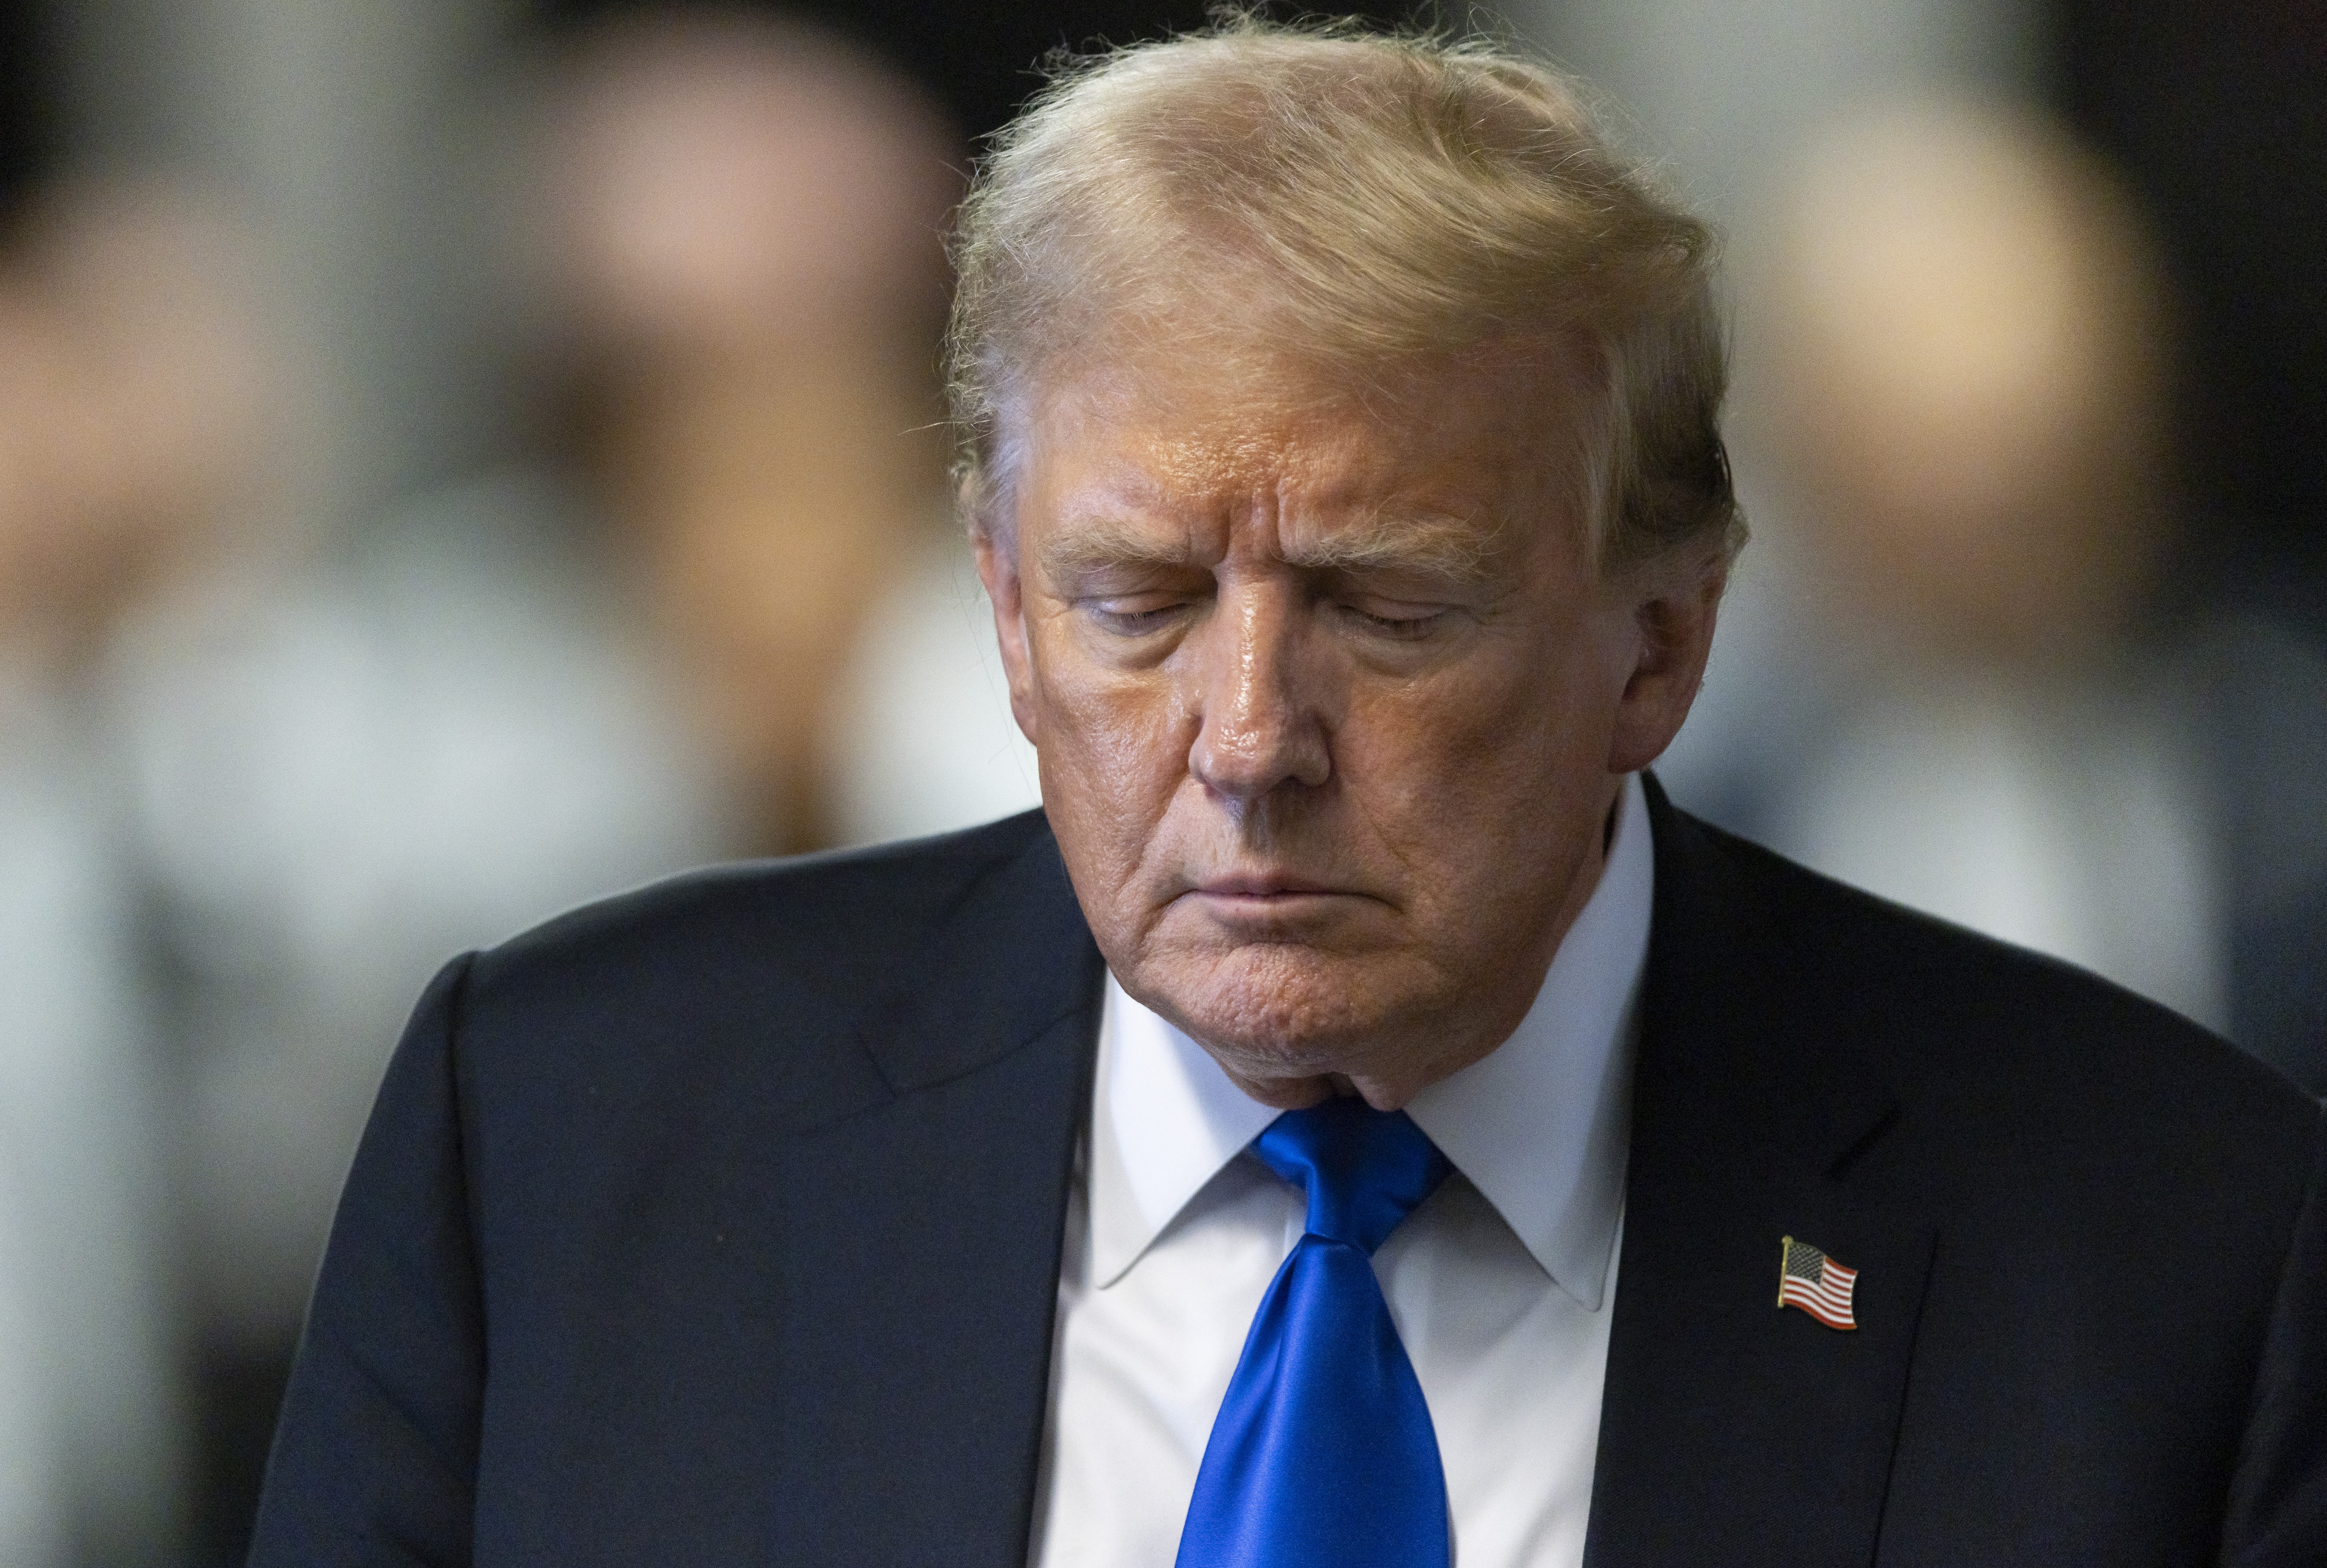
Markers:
point(1435, 544)
point(1097, 543)
point(1438, 545)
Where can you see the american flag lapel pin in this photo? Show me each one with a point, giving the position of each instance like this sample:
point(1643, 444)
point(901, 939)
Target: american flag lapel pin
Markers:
point(1808, 1279)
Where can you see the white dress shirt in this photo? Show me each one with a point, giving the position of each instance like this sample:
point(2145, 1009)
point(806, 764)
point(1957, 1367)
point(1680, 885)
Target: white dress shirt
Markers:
point(1501, 1283)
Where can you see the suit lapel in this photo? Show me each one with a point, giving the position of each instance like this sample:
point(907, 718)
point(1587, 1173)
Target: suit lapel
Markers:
point(923, 1239)
point(1732, 1430)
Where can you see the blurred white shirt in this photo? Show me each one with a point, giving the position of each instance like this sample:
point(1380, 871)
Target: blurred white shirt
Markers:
point(1501, 1283)
point(923, 739)
point(89, 1444)
point(2070, 821)
point(429, 742)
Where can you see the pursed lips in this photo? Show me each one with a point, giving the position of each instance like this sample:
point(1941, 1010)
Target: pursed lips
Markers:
point(1265, 898)
point(1262, 885)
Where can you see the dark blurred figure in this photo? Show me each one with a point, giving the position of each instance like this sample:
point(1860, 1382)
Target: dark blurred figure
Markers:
point(2026, 721)
point(29, 130)
point(2218, 114)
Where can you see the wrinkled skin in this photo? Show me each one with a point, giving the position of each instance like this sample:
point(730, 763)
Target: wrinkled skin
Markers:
point(1332, 701)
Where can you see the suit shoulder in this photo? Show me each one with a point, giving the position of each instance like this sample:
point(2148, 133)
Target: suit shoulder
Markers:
point(1957, 1007)
point(816, 908)
point(725, 965)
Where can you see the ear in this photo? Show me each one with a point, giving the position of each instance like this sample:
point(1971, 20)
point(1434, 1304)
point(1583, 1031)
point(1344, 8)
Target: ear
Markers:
point(997, 569)
point(1675, 602)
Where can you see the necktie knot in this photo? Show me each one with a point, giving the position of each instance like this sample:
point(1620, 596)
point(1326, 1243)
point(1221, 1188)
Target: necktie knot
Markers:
point(1364, 1170)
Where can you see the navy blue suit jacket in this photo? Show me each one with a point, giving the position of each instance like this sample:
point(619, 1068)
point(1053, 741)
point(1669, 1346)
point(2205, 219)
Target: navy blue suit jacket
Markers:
point(720, 1224)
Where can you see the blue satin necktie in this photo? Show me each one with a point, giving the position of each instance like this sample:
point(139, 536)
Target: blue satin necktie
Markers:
point(1322, 1455)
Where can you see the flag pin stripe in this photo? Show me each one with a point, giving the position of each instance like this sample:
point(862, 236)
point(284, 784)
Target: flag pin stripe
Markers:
point(1817, 1283)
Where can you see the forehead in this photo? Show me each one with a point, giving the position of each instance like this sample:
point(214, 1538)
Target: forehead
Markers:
point(1488, 437)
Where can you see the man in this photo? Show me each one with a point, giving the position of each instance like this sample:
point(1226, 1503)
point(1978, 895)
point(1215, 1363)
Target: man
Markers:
point(1360, 1121)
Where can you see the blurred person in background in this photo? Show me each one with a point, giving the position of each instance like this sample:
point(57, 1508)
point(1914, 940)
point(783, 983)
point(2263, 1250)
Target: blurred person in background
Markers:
point(337, 755)
point(2016, 720)
point(254, 779)
point(2218, 116)
point(133, 393)
point(405, 744)
point(739, 257)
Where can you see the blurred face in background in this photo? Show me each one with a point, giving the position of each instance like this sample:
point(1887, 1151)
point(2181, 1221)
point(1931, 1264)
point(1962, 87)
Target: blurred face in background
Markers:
point(1965, 322)
point(140, 407)
point(743, 236)
point(1332, 701)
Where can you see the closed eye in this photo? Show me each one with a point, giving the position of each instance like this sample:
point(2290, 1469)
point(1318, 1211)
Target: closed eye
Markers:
point(1135, 617)
point(1401, 623)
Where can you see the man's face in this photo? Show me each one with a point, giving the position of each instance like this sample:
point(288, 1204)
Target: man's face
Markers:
point(1332, 702)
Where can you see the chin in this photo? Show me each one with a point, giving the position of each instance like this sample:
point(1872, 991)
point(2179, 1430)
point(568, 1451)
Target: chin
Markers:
point(1287, 1009)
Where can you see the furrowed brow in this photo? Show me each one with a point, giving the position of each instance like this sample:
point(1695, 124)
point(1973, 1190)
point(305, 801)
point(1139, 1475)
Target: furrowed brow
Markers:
point(1097, 544)
point(1451, 548)
point(1440, 547)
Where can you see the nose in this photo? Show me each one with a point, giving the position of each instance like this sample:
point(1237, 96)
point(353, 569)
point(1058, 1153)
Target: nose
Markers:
point(1259, 725)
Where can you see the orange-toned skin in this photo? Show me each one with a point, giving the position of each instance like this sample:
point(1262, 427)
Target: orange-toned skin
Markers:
point(1331, 699)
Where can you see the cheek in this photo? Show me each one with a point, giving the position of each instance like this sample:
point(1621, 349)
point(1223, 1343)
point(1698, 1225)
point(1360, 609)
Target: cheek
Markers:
point(1115, 743)
point(1450, 772)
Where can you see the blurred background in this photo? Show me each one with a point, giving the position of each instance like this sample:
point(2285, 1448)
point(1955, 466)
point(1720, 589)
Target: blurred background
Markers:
point(460, 457)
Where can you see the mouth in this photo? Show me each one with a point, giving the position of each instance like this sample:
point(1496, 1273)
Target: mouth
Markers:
point(1266, 906)
point(1265, 885)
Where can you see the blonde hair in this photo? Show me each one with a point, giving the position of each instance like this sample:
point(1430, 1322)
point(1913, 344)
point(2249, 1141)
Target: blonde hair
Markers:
point(1366, 199)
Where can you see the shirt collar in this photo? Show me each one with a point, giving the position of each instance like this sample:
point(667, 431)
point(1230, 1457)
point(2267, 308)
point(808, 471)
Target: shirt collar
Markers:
point(1540, 1125)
